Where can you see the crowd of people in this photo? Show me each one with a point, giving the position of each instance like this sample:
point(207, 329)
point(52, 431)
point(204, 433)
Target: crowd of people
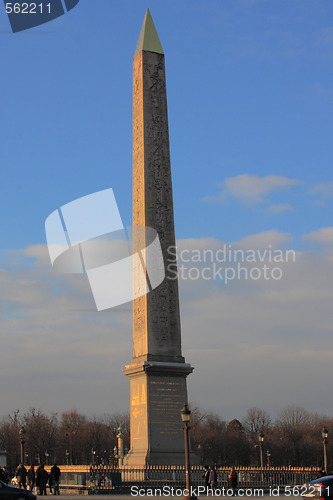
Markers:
point(35, 480)
point(210, 479)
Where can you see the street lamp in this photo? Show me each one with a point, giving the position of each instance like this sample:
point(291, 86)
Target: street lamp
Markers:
point(70, 436)
point(261, 442)
point(67, 457)
point(47, 457)
point(186, 418)
point(93, 453)
point(324, 435)
point(22, 432)
point(268, 453)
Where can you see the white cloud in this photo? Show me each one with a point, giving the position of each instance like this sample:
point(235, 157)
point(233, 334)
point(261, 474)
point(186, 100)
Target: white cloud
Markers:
point(55, 347)
point(252, 190)
point(264, 239)
point(264, 338)
point(257, 335)
point(323, 236)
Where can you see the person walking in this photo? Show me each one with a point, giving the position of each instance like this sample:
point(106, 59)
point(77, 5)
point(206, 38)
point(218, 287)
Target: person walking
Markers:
point(6, 476)
point(31, 478)
point(50, 482)
point(233, 481)
point(55, 477)
point(41, 479)
point(213, 477)
point(21, 475)
point(205, 476)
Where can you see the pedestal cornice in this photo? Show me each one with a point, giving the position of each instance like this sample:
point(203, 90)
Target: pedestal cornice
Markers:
point(158, 368)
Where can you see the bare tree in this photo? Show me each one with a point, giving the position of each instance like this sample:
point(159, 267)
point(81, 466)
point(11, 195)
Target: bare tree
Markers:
point(9, 438)
point(293, 424)
point(70, 447)
point(208, 432)
point(294, 438)
point(40, 437)
point(256, 421)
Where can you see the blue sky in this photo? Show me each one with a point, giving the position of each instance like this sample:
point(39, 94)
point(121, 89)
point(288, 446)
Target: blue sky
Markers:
point(250, 101)
point(249, 92)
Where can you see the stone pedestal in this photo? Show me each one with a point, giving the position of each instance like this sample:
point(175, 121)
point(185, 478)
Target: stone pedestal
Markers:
point(158, 393)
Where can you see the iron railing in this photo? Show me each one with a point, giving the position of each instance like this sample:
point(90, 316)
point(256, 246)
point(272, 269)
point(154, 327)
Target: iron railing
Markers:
point(111, 478)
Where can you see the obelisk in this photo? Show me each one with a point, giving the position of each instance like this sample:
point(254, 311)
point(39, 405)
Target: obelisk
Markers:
point(158, 370)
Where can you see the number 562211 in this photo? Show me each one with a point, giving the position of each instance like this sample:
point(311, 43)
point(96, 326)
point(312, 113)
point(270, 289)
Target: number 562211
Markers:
point(27, 8)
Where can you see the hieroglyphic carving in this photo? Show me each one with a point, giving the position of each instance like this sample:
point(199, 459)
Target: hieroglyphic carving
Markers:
point(156, 321)
point(139, 411)
point(140, 304)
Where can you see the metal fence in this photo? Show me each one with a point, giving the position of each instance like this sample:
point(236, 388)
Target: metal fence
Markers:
point(102, 478)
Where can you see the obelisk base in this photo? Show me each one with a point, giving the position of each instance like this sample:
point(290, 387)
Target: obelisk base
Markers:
point(158, 393)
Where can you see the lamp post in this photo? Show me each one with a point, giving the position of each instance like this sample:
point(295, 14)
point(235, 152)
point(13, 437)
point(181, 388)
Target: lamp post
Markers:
point(120, 438)
point(47, 457)
point(261, 442)
point(22, 432)
point(186, 418)
point(93, 453)
point(324, 435)
point(67, 457)
point(70, 436)
point(268, 453)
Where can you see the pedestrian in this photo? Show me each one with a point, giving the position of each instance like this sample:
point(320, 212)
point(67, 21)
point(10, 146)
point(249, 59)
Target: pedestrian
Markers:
point(205, 476)
point(50, 483)
point(21, 474)
point(233, 481)
point(31, 478)
point(42, 478)
point(55, 476)
point(2, 475)
point(213, 477)
point(6, 476)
